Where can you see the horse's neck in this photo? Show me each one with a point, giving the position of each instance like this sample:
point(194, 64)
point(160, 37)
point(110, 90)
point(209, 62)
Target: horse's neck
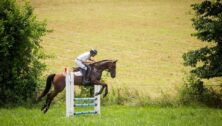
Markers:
point(101, 65)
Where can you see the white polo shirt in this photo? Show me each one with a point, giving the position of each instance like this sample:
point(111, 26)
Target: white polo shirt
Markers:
point(83, 57)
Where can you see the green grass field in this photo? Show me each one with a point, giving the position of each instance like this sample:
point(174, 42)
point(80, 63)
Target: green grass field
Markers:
point(147, 37)
point(114, 116)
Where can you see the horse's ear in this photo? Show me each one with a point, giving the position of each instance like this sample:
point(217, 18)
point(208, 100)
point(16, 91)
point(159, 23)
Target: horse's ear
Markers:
point(115, 61)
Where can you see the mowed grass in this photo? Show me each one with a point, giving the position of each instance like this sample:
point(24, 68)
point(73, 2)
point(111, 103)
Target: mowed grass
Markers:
point(114, 116)
point(148, 37)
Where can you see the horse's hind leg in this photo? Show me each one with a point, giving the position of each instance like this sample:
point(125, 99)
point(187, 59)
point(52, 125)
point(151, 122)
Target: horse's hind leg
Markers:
point(50, 97)
point(45, 104)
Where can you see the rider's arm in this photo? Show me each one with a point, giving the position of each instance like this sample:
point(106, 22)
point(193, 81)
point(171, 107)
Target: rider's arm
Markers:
point(86, 62)
point(92, 60)
point(89, 61)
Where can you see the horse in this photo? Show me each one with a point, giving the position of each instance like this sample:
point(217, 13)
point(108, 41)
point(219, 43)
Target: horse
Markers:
point(58, 81)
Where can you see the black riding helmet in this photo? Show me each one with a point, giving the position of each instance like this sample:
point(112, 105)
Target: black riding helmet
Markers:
point(93, 52)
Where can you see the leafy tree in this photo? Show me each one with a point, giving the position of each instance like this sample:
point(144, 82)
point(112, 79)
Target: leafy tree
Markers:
point(208, 24)
point(20, 51)
point(206, 62)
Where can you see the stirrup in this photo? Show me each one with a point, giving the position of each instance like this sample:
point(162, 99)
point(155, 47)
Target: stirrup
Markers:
point(85, 82)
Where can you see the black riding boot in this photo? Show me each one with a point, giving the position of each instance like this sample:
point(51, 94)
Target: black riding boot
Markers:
point(84, 81)
point(88, 73)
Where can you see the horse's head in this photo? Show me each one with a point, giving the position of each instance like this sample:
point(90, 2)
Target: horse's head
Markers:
point(109, 65)
point(112, 68)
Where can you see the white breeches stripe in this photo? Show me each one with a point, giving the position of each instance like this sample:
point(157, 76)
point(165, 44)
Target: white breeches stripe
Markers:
point(80, 64)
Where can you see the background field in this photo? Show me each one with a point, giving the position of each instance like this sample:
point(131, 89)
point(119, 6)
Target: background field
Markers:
point(147, 37)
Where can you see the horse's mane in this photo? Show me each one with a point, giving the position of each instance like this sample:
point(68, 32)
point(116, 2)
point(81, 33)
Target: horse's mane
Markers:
point(100, 61)
point(92, 64)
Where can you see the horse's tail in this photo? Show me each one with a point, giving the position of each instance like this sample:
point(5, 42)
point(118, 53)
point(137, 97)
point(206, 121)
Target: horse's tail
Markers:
point(47, 87)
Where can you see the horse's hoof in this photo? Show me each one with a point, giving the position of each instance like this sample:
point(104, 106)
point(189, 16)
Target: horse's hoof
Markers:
point(104, 95)
point(42, 108)
point(45, 111)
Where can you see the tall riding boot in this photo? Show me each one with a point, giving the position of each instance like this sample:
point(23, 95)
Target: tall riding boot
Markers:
point(88, 73)
point(84, 81)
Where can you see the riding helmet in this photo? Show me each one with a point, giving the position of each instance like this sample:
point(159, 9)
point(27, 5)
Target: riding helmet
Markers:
point(93, 51)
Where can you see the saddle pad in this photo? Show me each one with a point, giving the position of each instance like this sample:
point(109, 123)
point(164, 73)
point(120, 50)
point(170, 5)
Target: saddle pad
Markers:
point(78, 73)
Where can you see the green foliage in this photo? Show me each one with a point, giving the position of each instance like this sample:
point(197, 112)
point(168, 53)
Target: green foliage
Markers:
point(128, 96)
point(85, 91)
point(20, 51)
point(194, 92)
point(208, 24)
point(205, 62)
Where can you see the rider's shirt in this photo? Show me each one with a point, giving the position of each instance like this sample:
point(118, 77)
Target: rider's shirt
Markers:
point(83, 57)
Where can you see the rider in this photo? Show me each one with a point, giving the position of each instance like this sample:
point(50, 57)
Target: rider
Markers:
point(82, 59)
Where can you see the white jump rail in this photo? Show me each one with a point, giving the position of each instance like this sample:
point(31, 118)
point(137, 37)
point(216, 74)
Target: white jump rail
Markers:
point(70, 99)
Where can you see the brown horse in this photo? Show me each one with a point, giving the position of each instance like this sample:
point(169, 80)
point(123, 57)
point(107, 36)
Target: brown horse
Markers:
point(58, 80)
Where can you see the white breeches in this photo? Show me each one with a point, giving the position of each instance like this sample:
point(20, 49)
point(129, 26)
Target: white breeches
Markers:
point(80, 64)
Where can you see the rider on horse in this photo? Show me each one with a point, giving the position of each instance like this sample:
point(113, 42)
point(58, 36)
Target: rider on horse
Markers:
point(82, 59)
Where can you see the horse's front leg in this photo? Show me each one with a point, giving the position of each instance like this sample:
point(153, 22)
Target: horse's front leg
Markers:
point(106, 90)
point(104, 86)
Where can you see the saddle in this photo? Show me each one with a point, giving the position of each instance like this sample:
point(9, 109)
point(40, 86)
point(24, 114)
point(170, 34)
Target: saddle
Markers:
point(78, 72)
point(76, 69)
